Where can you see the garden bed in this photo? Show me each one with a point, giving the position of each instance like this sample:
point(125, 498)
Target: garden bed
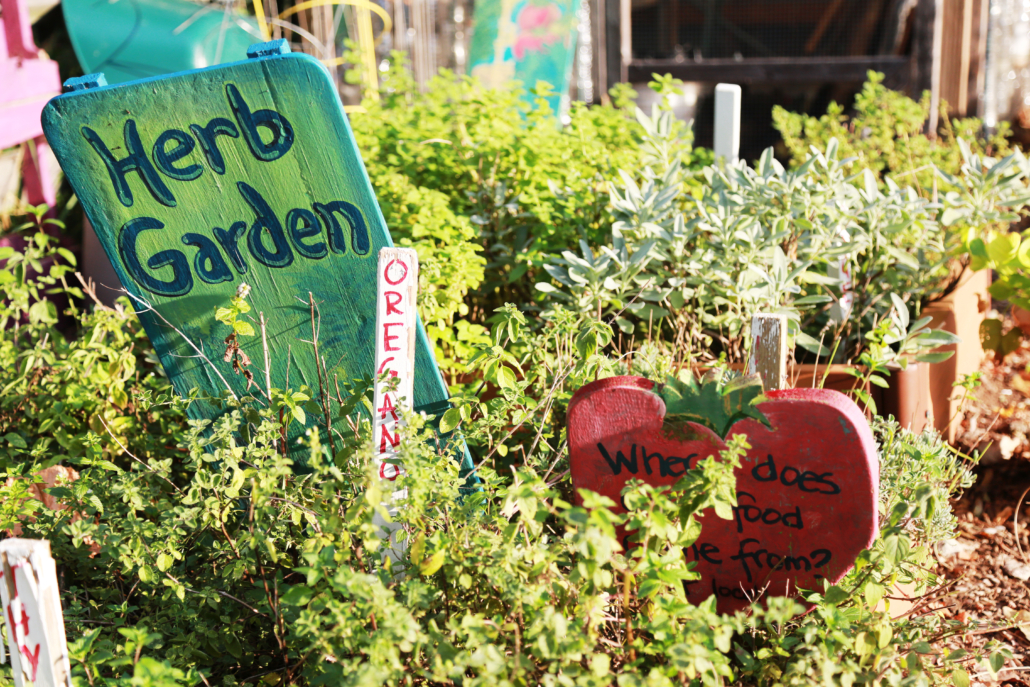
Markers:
point(977, 568)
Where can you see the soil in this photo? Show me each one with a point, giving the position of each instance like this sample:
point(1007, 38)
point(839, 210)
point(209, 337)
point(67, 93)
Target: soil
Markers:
point(987, 567)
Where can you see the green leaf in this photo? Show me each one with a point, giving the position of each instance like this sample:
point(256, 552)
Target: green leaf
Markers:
point(450, 420)
point(106, 465)
point(1000, 290)
point(15, 440)
point(835, 595)
point(710, 403)
point(299, 415)
point(244, 328)
point(896, 548)
point(877, 380)
point(934, 357)
point(996, 662)
point(813, 300)
point(297, 595)
point(952, 215)
point(811, 344)
point(430, 565)
point(1011, 341)
point(43, 312)
point(922, 648)
point(1024, 254)
point(68, 256)
point(873, 593)
point(884, 635)
point(164, 562)
point(990, 334)
point(506, 378)
point(1003, 248)
point(960, 678)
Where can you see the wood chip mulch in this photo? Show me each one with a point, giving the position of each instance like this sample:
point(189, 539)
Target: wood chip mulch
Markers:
point(988, 564)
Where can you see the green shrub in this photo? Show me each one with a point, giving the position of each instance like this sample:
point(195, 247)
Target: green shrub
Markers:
point(885, 135)
point(197, 555)
point(57, 390)
point(990, 197)
point(241, 570)
point(193, 553)
point(485, 188)
point(757, 239)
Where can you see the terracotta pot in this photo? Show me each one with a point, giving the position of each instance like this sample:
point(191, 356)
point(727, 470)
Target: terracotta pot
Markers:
point(908, 399)
point(837, 377)
point(1022, 319)
point(960, 312)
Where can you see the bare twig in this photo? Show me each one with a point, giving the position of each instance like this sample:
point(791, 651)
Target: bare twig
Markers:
point(1015, 524)
point(318, 371)
point(264, 345)
point(130, 454)
point(90, 289)
point(150, 308)
point(550, 398)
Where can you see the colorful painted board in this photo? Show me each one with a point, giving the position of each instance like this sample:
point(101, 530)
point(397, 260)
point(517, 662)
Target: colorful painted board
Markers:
point(524, 40)
point(200, 181)
point(806, 491)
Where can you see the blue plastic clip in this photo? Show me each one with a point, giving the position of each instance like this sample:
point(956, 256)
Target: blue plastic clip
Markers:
point(269, 48)
point(82, 83)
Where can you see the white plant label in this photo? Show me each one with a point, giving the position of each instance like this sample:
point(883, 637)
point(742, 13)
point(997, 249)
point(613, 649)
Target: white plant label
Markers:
point(32, 614)
point(841, 269)
point(395, 358)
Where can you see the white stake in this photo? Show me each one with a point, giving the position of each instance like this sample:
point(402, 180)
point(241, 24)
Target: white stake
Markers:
point(727, 122)
point(840, 268)
point(395, 356)
point(32, 612)
point(769, 350)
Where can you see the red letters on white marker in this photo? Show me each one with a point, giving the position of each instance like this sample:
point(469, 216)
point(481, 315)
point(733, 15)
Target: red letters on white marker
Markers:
point(395, 350)
point(395, 357)
point(32, 612)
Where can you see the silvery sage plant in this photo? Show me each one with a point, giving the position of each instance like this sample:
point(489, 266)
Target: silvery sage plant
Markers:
point(760, 238)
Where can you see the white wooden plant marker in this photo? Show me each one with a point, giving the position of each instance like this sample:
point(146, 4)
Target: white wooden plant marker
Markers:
point(840, 268)
point(32, 614)
point(395, 356)
point(727, 123)
point(769, 350)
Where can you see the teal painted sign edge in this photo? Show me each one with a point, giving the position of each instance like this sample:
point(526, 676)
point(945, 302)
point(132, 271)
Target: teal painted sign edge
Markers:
point(431, 393)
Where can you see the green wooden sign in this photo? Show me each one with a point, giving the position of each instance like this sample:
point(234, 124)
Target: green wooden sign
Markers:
point(200, 181)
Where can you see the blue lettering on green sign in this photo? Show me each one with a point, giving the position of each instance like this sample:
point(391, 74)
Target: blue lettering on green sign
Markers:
point(196, 182)
point(267, 238)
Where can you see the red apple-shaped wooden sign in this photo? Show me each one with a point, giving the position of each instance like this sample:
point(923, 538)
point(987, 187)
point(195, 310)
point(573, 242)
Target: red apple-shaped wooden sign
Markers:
point(806, 491)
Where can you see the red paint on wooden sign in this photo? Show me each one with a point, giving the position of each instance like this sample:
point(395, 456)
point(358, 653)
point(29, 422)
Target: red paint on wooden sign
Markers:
point(806, 491)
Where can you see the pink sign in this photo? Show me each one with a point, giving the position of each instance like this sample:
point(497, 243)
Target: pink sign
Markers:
point(806, 491)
